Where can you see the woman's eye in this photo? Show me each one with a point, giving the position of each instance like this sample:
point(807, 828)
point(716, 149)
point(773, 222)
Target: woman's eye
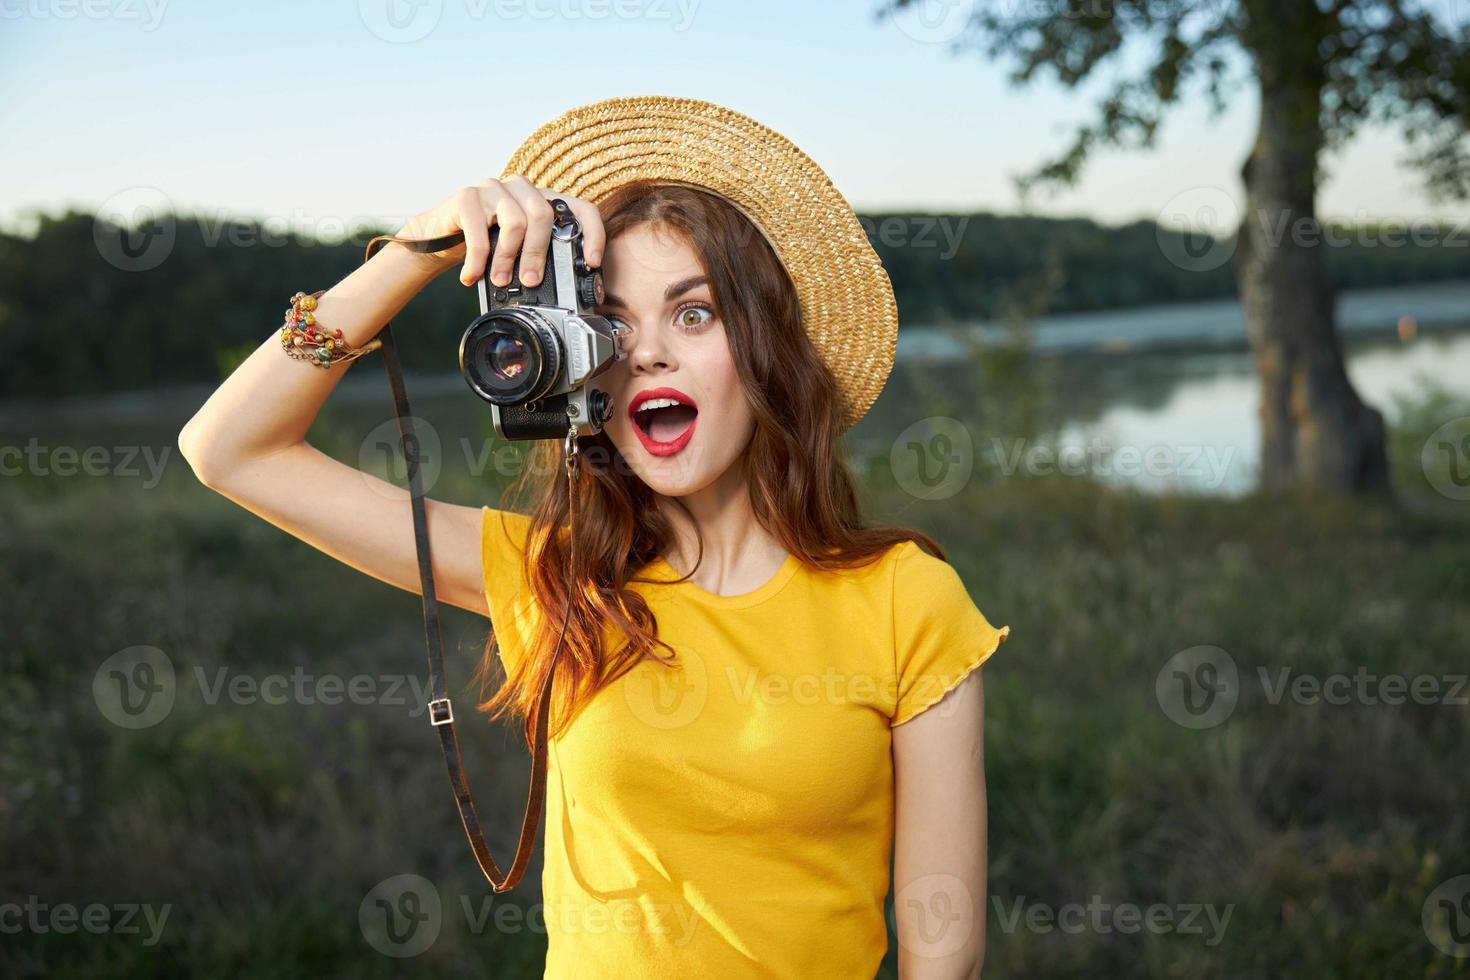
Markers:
point(693, 317)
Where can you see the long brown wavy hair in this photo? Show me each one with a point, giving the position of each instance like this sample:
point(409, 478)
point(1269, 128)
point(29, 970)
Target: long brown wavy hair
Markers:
point(801, 489)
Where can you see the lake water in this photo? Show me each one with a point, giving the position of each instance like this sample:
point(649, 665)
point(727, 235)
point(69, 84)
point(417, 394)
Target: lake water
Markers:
point(1166, 397)
point(1208, 422)
point(1192, 326)
point(1159, 398)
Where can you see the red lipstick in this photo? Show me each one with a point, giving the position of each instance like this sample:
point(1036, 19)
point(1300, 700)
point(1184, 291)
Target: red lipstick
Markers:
point(654, 447)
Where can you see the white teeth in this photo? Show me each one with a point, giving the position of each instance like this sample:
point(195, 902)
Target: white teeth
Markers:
point(659, 403)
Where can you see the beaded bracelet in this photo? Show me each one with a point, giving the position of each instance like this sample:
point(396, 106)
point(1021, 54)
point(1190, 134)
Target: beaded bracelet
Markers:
point(306, 340)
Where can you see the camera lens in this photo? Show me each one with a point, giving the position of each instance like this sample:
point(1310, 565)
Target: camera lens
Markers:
point(510, 356)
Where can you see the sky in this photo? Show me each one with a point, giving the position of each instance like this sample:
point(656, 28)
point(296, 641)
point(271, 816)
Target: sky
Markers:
point(341, 111)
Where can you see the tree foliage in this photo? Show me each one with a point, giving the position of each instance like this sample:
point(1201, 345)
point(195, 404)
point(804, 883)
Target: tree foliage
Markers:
point(1379, 61)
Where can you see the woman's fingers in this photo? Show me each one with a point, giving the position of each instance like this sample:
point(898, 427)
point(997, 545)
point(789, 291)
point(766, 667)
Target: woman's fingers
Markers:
point(594, 237)
point(512, 221)
point(524, 216)
point(538, 215)
point(474, 222)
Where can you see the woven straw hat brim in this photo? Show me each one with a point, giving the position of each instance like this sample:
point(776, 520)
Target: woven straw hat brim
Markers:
point(847, 301)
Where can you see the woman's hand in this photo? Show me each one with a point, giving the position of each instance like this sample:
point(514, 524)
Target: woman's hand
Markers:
point(521, 211)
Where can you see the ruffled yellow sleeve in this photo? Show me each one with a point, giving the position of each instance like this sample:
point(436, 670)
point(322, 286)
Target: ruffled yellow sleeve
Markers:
point(939, 634)
point(507, 591)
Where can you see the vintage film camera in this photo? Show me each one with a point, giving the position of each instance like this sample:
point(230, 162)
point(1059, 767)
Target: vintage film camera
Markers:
point(534, 349)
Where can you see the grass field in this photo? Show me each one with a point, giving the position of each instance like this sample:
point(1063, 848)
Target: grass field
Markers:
point(1291, 838)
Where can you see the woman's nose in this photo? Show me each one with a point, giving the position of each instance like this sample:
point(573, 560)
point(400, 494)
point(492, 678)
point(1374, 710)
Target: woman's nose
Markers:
point(647, 351)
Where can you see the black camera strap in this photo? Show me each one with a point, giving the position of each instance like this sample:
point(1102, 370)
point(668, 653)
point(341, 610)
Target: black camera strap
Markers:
point(441, 711)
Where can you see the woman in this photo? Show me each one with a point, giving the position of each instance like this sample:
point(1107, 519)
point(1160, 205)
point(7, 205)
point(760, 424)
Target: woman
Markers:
point(760, 700)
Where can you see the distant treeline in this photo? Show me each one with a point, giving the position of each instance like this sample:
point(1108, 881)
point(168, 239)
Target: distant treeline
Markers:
point(83, 309)
point(989, 266)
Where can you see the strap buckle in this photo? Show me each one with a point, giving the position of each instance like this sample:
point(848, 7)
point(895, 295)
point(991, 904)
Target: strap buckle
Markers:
point(441, 712)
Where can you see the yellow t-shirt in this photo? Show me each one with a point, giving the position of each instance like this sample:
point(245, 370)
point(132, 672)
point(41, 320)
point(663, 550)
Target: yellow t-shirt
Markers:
point(736, 819)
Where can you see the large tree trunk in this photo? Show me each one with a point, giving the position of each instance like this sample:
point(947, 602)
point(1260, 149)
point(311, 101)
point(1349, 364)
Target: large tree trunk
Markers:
point(1316, 432)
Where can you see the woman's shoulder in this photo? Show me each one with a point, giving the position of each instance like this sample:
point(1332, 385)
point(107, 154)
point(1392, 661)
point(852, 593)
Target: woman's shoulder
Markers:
point(921, 579)
point(877, 573)
point(503, 527)
point(510, 523)
point(907, 554)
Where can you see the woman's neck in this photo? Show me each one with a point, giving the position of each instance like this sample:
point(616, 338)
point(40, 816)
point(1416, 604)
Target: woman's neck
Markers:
point(739, 554)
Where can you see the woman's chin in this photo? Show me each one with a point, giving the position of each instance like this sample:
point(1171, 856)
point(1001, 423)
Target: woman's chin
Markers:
point(670, 475)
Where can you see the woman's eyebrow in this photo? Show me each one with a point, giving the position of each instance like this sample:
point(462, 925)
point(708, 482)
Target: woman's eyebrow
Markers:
point(674, 291)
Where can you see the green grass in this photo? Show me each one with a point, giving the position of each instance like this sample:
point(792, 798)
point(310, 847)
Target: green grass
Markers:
point(1323, 828)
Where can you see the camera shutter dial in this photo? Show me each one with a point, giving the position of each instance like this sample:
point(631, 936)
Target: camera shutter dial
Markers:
point(589, 289)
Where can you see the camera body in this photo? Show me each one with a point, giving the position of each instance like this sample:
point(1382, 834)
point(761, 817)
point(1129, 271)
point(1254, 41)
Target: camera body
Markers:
point(533, 350)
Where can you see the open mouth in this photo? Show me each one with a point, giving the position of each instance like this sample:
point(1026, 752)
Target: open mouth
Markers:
point(663, 419)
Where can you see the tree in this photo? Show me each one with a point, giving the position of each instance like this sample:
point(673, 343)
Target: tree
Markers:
point(1321, 68)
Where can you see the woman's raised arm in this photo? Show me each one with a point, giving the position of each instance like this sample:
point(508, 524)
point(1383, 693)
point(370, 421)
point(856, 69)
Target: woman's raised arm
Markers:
point(248, 441)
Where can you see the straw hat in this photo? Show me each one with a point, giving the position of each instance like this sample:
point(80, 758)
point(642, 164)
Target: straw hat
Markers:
point(847, 302)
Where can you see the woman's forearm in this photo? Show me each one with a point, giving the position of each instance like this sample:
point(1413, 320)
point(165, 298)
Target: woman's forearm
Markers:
point(270, 401)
